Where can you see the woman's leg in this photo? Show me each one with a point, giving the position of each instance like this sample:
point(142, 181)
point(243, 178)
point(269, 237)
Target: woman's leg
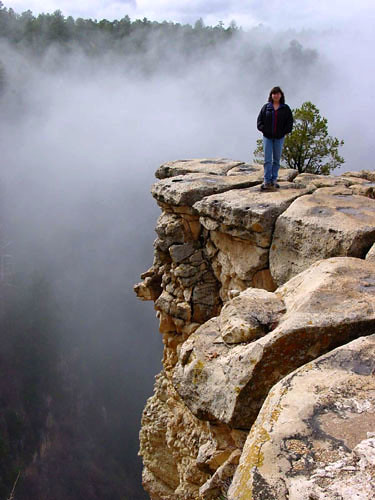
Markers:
point(267, 148)
point(276, 150)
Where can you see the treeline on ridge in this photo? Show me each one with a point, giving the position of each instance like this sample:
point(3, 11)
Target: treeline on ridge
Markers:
point(95, 36)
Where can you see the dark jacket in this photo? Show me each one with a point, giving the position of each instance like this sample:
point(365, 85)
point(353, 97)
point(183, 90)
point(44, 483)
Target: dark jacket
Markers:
point(266, 120)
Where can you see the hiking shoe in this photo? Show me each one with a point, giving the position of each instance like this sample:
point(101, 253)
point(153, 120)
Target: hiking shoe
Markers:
point(266, 186)
point(276, 185)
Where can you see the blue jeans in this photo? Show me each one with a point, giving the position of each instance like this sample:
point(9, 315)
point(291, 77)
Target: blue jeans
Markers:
point(272, 153)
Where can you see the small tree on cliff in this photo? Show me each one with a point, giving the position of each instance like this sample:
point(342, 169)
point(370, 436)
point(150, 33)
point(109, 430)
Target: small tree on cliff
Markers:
point(308, 148)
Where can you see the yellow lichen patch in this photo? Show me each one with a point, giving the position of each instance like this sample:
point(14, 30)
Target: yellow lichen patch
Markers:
point(198, 368)
point(254, 458)
point(275, 414)
point(255, 455)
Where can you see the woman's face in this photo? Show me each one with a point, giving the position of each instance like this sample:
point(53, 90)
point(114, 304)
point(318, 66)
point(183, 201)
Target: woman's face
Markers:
point(276, 96)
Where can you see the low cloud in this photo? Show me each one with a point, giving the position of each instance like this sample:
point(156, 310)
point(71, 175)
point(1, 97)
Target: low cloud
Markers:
point(278, 14)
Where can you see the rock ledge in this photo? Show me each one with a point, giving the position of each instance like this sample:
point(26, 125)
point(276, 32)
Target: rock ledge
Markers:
point(249, 287)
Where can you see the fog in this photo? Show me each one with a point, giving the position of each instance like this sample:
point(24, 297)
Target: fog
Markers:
point(80, 140)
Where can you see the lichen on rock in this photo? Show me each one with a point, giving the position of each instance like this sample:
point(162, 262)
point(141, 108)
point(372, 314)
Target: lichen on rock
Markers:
point(312, 437)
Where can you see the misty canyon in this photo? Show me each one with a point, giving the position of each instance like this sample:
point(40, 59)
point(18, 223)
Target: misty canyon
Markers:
point(89, 108)
point(266, 306)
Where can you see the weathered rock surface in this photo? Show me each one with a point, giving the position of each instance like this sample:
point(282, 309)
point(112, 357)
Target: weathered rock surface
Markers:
point(229, 334)
point(368, 175)
point(180, 453)
point(237, 262)
point(250, 315)
point(314, 181)
point(324, 224)
point(185, 190)
point(247, 169)
point(371, 254)
point(311, 439)
point(214, 166)
point(247, 213)
point(327, 305)
point(256, 170)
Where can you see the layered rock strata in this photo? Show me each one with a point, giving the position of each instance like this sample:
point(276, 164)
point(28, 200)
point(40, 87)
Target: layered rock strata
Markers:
point(229, 333)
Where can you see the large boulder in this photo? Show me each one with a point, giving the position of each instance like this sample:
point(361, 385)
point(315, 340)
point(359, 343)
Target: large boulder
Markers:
point(330, 222)
point(247, 213)
point(250, 315)
point(314, 437)
point(330, 304)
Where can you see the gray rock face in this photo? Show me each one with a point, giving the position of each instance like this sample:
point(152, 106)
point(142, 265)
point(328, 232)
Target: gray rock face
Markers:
point(327, 305)
point(314, 436)
point(170, 231)
point(324, 224)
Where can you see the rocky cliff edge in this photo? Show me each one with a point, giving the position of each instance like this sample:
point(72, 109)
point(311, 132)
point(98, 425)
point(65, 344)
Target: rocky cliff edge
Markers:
point(266, 303)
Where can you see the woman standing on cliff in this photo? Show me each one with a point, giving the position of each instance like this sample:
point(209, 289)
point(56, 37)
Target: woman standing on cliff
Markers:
point(275, 120)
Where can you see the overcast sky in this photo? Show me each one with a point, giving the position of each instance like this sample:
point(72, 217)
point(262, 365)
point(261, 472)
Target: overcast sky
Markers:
point(278, 14)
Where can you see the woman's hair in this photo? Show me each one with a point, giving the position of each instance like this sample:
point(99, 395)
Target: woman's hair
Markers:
point(274, 90)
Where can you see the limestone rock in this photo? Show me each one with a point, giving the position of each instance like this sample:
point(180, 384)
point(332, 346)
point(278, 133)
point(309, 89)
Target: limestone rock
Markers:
point(250, 315)
point(179, 253)
point(263, 279)
point(248, 169)
point(160, 471)
point(328, 305)
point(185, 190)
point(180, 452)
point(150, 287)
point(247, 213)
point(370, 256)
point(214, 166)
point(315, 181)
point(365, 189)
point(170, 231)
point(227, 343)
point(311, 439)
point(220, 481)
point(368, 175)
point(285, 174)
point(236, 261)
point(318, 226)
point(181, 280)
point(354, 184)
